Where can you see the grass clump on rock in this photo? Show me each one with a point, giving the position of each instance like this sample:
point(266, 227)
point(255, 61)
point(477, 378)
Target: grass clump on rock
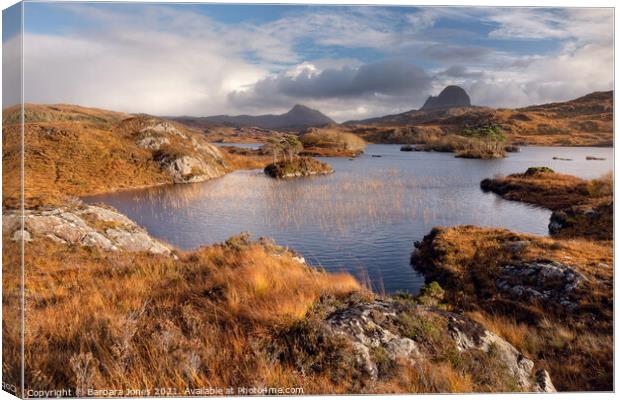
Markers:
point(538, 170)
point(298, 167)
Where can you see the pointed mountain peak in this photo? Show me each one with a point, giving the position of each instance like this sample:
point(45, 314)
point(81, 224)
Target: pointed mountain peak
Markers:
point(451, 96)
point(300, 108)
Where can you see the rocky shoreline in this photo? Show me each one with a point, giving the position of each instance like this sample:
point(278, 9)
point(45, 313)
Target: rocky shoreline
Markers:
point(84, 225)
point(552, 297)
point(581, 208)
point(385, 334)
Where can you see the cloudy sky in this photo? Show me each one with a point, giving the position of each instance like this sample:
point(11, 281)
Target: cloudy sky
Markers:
point(349, 62)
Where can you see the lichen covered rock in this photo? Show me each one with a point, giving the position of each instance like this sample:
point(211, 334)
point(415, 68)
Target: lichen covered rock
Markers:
point(85, 225)
point(184, 155)
point(384, 332)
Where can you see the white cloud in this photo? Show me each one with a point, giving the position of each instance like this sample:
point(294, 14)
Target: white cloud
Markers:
point(159, 75)
point(573, 72)
point(582, 24)
point(169, 61)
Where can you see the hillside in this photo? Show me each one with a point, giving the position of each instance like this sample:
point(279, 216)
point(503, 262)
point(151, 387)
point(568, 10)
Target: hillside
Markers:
point(585, 121)
point(76, 151)
point(297, 118)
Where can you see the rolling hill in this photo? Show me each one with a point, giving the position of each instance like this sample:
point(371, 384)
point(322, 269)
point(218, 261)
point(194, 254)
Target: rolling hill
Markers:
point(297, 118)
point(585, 121)
point(77, 151)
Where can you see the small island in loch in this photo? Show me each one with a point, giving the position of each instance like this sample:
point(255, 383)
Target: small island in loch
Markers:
point(298, 167)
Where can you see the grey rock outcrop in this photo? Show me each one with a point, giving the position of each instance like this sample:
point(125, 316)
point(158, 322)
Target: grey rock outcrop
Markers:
point(384, 324)
point(85, 225)
point(543, 281)
point(152, 143)
point(182, 153)
point(187, 169)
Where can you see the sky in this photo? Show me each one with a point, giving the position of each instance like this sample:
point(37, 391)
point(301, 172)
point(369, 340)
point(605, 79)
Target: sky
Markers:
point(348, 62)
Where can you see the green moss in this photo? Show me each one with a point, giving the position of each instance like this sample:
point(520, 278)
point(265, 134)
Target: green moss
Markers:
point(538, 170)
point(419, 327)
point(385, 365)
point(431, 294)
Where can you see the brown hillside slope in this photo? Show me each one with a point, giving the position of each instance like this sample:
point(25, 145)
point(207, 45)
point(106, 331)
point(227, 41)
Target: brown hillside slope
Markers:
point(76, 151)
point(585, 121)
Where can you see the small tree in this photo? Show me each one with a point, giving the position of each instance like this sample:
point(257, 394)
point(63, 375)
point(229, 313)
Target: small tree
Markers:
point(291, 145)
point(489, 136)
point(288, 145)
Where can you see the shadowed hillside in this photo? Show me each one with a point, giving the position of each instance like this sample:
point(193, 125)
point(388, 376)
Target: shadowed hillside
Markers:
point(297, 118)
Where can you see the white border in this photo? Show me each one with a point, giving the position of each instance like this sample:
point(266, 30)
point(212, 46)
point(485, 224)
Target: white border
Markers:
point(489, 3)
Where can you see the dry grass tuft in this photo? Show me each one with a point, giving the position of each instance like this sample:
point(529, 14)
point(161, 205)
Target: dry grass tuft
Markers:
point(332, 141)
point(101, 320)
point(574, 345)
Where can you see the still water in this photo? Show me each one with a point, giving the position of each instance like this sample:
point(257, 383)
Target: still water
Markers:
point(363, 218)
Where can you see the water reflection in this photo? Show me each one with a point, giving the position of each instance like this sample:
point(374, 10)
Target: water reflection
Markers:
point(363, 218)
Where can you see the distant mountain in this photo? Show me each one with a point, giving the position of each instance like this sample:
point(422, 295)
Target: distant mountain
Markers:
point(297, 118)
point(452, 99)
point(451, 96)
point(584, 121)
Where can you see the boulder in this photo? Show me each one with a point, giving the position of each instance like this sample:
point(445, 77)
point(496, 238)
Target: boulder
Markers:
point(187, 169)
point(152, 143)
point(182, 153)
point(588, 220)
point(136, 241)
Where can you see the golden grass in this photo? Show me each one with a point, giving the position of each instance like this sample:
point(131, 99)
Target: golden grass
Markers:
point(236, 161)
point(585, 206)
point(332, 141)
point(102, 320)
point(574, 346)
point(549, 189)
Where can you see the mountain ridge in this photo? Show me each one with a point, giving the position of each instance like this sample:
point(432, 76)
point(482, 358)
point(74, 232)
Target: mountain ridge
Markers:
point(299, 117)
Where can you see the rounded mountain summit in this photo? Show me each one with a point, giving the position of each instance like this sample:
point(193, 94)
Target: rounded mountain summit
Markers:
point(451, 96)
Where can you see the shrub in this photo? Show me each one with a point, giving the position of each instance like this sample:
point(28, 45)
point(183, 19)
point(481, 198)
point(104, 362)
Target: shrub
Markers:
point(431, 294)
point(603, 186)
point(538, 170)
point(288, 145)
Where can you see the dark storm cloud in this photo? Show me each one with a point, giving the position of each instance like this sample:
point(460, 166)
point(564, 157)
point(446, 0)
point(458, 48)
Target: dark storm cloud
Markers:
point(386, 78)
